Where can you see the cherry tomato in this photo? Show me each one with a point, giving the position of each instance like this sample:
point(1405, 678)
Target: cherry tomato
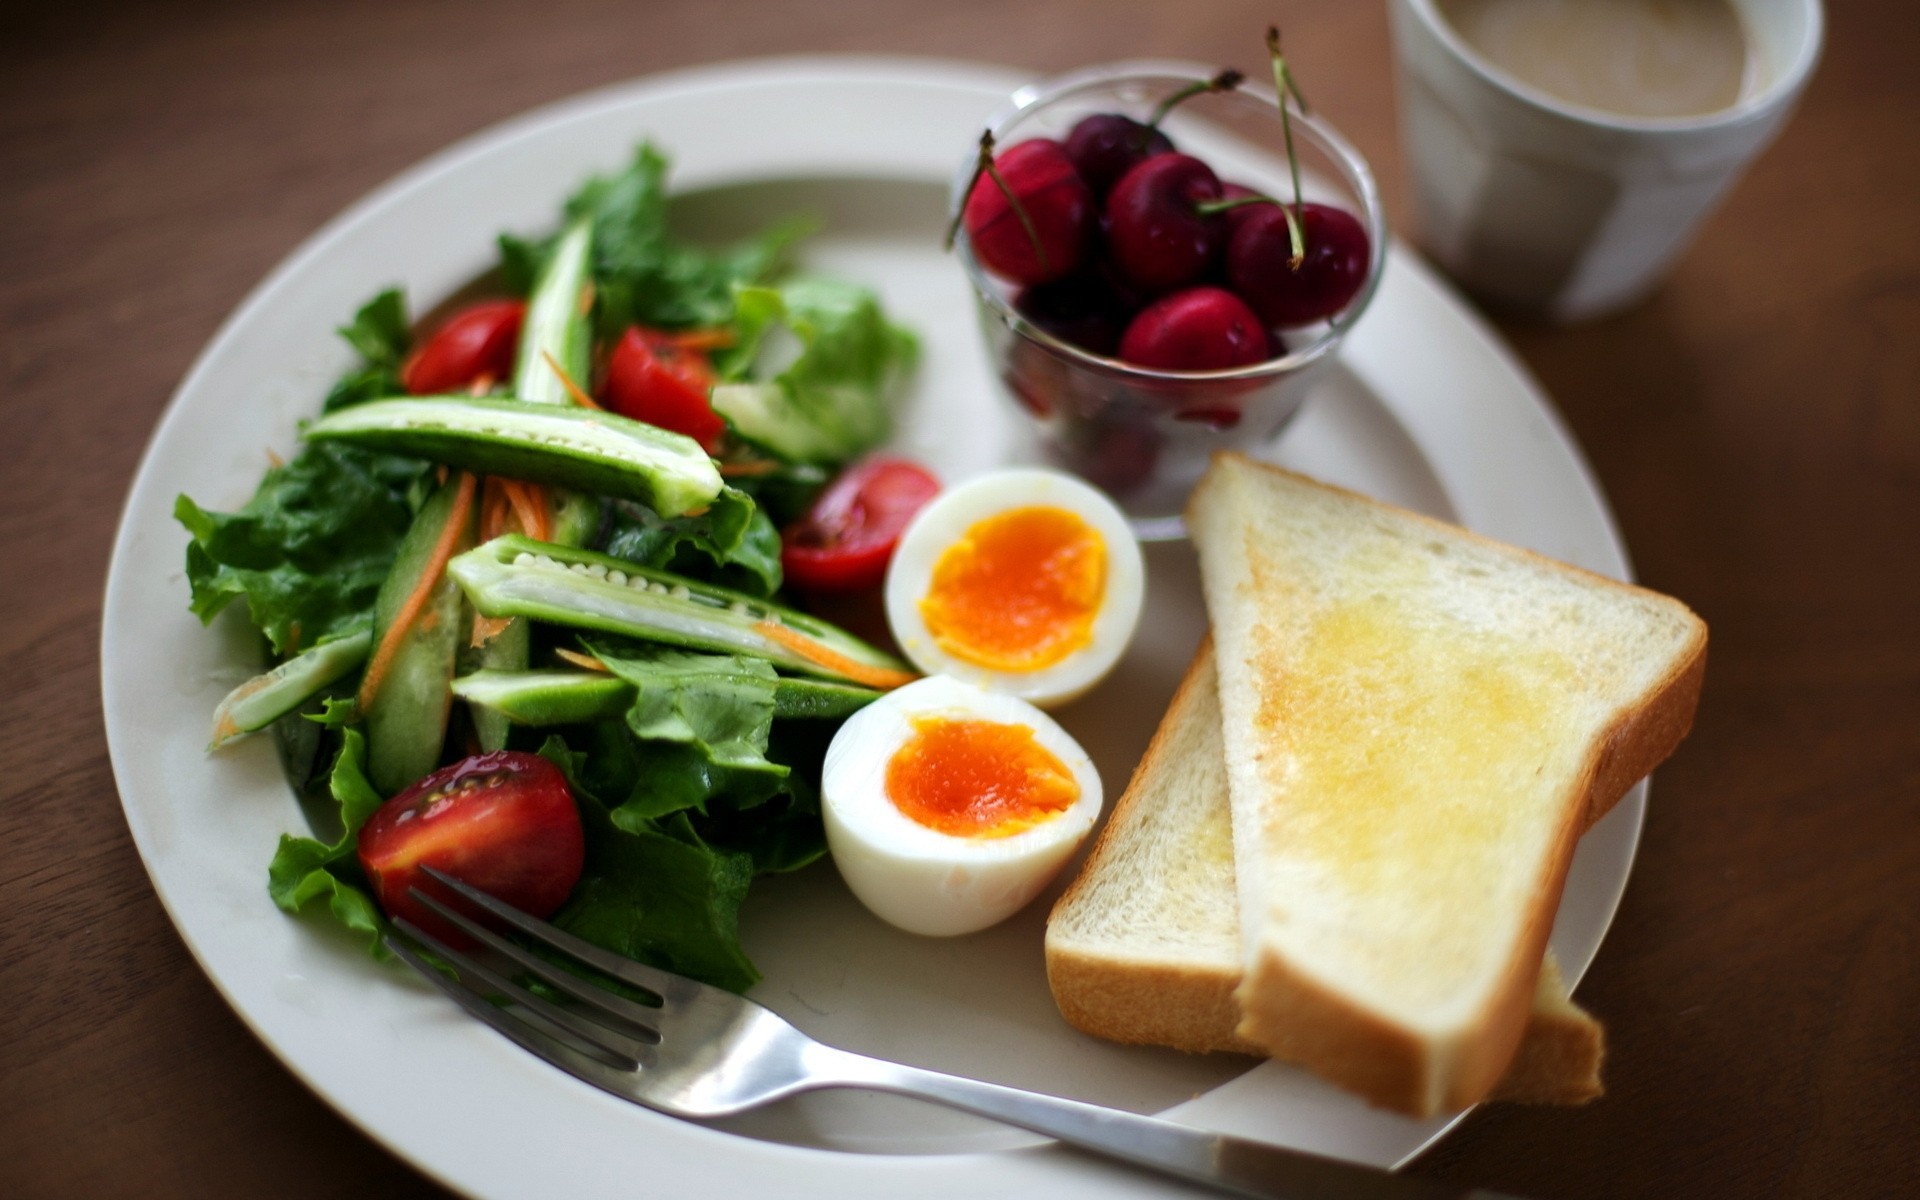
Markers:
point(503, 822)
point(844, 542)
point(475, 342)
point(653, 378)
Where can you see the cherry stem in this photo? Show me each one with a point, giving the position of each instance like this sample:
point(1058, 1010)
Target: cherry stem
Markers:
point(1284, 86)
point(1296, 237)
point(1227, 80)
point(985, 167)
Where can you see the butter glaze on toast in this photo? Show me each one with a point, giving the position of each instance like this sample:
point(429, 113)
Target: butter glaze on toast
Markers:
point(1419, 722)
point(1144, 947)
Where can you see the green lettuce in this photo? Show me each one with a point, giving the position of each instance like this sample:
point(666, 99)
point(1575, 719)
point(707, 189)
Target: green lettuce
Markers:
point(642, 274)
point(829, 403)
point(379, 332)
point(310, 550)
point(305, 869)
point(733, 543)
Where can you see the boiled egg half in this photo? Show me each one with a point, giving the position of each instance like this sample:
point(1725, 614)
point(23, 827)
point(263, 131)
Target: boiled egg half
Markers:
point(949, 807)
point(1023, 581)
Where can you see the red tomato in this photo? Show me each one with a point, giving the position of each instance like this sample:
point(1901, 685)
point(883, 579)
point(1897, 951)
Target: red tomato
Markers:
point(846, 539)
point(653, 378)
point(503, 822)
point(477, 341)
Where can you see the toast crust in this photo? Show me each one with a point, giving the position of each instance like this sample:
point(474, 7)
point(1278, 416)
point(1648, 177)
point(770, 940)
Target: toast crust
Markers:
point(1298, 1019)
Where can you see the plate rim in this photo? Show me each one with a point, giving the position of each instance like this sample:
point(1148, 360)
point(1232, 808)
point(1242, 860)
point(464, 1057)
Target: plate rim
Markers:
point(543, 121)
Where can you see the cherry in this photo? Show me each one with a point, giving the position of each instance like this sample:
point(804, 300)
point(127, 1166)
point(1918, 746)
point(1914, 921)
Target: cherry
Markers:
point(1028, 213)
point(1156, 231)
point(1230, 218)
point(1199, 329)
point(1260, 266)
point(1105, 145)
point(1082, 310)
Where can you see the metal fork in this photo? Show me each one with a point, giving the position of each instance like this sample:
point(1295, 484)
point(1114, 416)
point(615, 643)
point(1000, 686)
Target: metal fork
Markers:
point(705, 1052)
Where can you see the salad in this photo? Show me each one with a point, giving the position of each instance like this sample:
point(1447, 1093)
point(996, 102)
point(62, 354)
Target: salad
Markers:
point(538, 553)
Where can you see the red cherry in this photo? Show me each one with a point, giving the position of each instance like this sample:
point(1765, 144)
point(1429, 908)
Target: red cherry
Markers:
point(1055, 200)
point(1259, 263)
point(1156, 232)
point(1083, 310)
point(1230, 218)
point(1199, 329)
point(1104, 146)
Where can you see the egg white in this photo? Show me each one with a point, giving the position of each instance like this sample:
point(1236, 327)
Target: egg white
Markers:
point(921, 879)
point(946, 520)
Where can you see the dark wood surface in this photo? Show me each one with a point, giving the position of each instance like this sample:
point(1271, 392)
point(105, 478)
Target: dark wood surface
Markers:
point(1756, 426)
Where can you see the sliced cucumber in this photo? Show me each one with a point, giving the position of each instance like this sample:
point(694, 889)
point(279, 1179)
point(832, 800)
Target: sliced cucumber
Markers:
point(574, 447)
point(541, 698)
point(406, 718)
point(556, 323)
point(514, 576)
point(264, 699)
point(546, 697)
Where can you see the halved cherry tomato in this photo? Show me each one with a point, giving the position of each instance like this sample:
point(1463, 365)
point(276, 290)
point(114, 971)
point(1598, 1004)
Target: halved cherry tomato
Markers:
point(661, 379)
point(846, 539)
point(475, 342)
point(503, 822)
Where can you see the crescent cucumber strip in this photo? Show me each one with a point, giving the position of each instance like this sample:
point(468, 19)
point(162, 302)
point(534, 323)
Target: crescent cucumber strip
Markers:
point(515, 576)
point(264, 699)
point(556, 323)
point(573, 447)
point(556, 333)
point(557, 697)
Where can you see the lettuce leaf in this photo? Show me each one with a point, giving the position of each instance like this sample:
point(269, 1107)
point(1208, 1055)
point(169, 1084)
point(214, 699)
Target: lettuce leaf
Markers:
point(733, 543)
point(642, 274)
point(656, 892)
point(828, 402)
point(310, 550)
point(379, 332)
point(305, 869)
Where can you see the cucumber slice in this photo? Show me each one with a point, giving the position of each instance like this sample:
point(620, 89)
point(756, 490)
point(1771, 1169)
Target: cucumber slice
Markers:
point(515, 576)
point(556, 322)
point(541, 698)
point(406, 719)
point(546, 697)
point(264, 699)
point(574, 447)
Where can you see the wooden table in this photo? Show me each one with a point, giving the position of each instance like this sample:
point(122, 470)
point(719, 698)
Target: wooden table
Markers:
point(1756, 426)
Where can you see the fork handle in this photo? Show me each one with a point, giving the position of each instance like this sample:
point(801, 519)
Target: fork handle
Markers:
point(1232, 1164)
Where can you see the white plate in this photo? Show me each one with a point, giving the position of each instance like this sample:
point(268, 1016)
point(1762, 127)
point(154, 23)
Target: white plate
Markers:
point(1428, 410)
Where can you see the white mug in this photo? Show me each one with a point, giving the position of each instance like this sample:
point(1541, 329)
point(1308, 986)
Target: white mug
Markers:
point(1545, 208)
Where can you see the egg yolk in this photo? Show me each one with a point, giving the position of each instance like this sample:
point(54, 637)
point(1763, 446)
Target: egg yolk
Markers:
point(1019, 590)
point(977, 779)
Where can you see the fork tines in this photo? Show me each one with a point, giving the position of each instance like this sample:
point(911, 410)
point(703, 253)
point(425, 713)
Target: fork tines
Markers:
point(608, 1028)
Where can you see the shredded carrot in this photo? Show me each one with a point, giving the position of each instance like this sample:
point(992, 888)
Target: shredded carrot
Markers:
point(701, 340)
point(578, 393)
point(486, 628)
point(582, 660)
point(529, 502)
point(824, 656)
point(481, 385)
point(274, 460)
point(416, 600)
point(493, 507)
point(749, 468)
point(586, 299)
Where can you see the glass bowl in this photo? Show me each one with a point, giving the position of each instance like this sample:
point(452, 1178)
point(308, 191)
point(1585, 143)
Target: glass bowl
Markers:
point(1146, 435)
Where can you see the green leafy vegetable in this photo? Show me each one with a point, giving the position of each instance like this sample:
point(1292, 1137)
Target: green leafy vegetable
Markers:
point(642, 275)
point(733, 543)
point(311, 548)
point(304, 868)
point(379, 332)
point(830, 402)
point(657, 893)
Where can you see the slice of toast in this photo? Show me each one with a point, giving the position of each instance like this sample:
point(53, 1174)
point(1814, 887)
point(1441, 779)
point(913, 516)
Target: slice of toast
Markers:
point(1144, 947)
point(1419, 723)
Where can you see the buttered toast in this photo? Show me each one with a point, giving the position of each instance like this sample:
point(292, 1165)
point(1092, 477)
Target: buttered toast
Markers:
point(1145, 946)
point(1418, 724)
